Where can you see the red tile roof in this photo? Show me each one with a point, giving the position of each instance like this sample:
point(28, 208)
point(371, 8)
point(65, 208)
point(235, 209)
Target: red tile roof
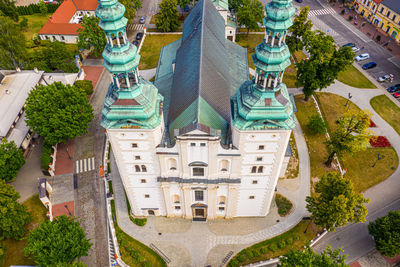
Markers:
point(86, 4)
point(60, 28)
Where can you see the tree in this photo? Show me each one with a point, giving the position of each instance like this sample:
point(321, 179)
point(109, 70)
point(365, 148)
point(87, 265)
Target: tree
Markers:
point(12, 45)
point(324, 64)
point(301, 27)
point(183, 3)
point(23, 24)
point(131, 6)
point(85, 85)
point(308, 258)
point(11, 160)
point(57, 242)
point(58, 57)
point(13, 215)
point(250, 14)
point(58, 112)
point(42, 7)
point(316, 124)
point(335, 203)
point(8, 8)
point(386, 233)
point(167, 19)
point(351, 135)
point(91, 35)
point(235, 4)
point(75, 264)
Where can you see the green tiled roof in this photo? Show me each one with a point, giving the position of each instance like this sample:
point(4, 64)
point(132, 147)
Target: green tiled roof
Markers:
point(221, 3)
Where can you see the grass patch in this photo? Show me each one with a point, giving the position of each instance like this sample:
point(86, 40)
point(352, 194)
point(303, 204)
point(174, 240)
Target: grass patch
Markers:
point(151, 48)
point(250, 42)
point(133, 252)
point(110, 189)
point(353, 77)
point(138, 221)
point(284, 205)
point(292, 170)
point(295, 239)
point(14, 253)
point(35, 23)
point(388, 110)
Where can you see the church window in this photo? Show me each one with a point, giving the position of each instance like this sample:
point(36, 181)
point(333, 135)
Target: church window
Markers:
point(172, 164)
point(221, 200)
point(252, 197)
point(137, 157)
point(63, 38)
point(221, 208)
point(176, 198)
point(224, 165)
point(192, 144)
point(198, 195)
point(198, 171)
point(202, 144)
point(144, 169)
point(254, 169)
point(177, 207)
point(261, 147)
point(259, 159)
point(134, 145)
point(260, 169)
point(143, 181)
point(255, 182)
point(137, 168)
point(146, 196)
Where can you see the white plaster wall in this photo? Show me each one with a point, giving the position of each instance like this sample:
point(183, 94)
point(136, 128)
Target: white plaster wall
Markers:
point(69, 39)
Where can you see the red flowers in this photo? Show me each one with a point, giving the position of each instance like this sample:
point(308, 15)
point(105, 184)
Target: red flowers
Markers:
point(380, 141)
point(372, 124)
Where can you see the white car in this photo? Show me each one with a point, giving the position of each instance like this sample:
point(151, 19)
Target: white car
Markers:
point(362, 57)
point(387, 77)
point(355, 49)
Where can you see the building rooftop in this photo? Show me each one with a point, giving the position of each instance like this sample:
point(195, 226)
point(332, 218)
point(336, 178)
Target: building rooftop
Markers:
point(392, 4)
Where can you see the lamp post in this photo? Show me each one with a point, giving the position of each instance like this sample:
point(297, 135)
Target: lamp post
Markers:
point(70, 214)
point(379, 157)
point(69, 157)
point(347, 102)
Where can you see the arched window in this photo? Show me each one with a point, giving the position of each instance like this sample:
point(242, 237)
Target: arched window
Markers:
point(121, 38)
point(260, 169)
point(144, 169)
point(114, 39)
point(172, 164)
point(137, 168)
point(224, 165)
point(254, 169)
point(221, 200)
point(176, 199)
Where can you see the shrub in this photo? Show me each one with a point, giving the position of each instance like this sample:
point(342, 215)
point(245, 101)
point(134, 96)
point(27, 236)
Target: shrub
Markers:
point(281, 244)
point(350, 18)
point(284, 204)
point(273, 247)
point(296, 237)
point(233, 263)
point(263, 250)
point(138, 221)
point(380, 141)
point(256, 253)
point(85, 85)
point(46, 158)
point(249, 253)
point(289, 241)
point(146, 264)
point(241, 258)
point(316, 124)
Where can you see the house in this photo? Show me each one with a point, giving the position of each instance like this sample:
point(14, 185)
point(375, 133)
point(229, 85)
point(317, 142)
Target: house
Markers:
point(63, 25)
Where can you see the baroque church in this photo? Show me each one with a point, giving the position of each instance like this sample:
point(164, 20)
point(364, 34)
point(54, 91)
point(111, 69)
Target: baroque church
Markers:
point(203, 141)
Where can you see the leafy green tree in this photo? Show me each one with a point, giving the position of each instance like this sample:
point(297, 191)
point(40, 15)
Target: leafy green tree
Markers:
point(13, 52)
point(91, 35)
point(58, 112)
point(42, 7)
point(335, 203)
point(183, 3)
point(8, 9)
point(324, 64)
point(131, 8)
point(250, 14)
point(58, 242)
point(308, 258)
point(301, 27)
point(11, 160)
point(386, 233)
point(316, 124)
point(351, 135)
point(23, 24)
point(167, 19)
point(13, 215)
point(85, 85)
point(235, 4)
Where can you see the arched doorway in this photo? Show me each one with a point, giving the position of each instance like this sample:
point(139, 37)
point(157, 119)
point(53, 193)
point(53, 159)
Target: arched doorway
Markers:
point(199, 212)
point(151, 212)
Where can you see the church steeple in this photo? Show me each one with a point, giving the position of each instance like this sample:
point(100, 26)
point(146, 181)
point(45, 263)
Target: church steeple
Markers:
point(131, 101)
point(264, 102)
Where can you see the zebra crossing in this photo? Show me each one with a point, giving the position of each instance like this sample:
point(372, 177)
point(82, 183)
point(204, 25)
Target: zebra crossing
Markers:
point(320, 25)
point(321, 12)
point(135, 27)
point(84, 165)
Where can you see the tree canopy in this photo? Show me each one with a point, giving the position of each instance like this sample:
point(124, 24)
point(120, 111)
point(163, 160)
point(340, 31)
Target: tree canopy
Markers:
point(8, 9)
point(13, 215)
point(167, 19)
point(11, 160)
point(183, 3)
point(335, 203)
point(316, 124)
point(308, 258)
point(131, 6)
point(351, 135)
point(13, 52)
point(58, 112)
point(324, 63)
point(301, 27)
point(386, 233)
point(91, 35)
point(235, 4)
point(250, 14)
point(57, 242)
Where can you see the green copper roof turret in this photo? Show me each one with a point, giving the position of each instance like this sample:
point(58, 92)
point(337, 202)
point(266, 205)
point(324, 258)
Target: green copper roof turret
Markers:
point(264, 102)
point(131, 101)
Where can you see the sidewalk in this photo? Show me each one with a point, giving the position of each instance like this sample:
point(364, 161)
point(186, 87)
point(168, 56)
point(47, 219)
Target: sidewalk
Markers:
point(374, 258)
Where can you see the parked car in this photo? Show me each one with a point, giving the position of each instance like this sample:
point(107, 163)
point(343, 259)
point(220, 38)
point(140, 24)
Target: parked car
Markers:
point(135, 43)
point(362, 57)
point(369, 65)
point(142, 20)
point(355, 49)
point(387, 77)
point(139, 35)
point(349, 45)
point(394, 88)
point(396, 95)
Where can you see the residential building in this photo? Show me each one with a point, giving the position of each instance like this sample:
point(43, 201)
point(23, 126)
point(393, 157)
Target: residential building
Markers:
point(64, 23)
point(367, 8)
point(388, 18)
point(203, 141)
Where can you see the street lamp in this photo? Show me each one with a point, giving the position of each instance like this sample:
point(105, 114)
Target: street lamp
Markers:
point(379, 158)
point(70, 214)
point(347, 102)
point(69, 157)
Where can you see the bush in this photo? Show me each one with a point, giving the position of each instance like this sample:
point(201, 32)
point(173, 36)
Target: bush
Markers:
point(85, 85)
point(233, 263)
point(316, 124)
point(284, 204)
point(46, 158)
point(256, 253)
point(289, 241)
point(138, 221)
point(296, 237)
point(350, 18)
point(147, 264)
point(241, 258)
point(273, 247)
point(249, 254)
point(263, 250)
point(282, 244)
point(35, 8)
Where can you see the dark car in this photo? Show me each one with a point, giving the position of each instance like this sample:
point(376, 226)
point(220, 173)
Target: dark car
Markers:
point(139, 36)
point(369, 65)
point(299, 1)
point(349, 45)
point(186, 8)
point(142, 19)
point(135, 43)
point(394, 88)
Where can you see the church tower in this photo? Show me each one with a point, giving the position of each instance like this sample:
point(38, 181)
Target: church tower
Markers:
point(263, 114)
point(132, 111)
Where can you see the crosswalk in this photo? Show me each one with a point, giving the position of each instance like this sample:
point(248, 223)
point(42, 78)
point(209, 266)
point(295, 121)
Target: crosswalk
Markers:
point(84, 165)
point(135, 27)
point(321, 12)
point(320, 25)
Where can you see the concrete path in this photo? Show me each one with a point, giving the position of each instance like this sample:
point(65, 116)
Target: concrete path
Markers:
point(189, 243)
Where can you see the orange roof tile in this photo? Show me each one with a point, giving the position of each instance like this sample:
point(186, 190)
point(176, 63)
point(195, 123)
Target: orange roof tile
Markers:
point(60, 28)
point(64, 12)
point(377, 1)
point(86, 4)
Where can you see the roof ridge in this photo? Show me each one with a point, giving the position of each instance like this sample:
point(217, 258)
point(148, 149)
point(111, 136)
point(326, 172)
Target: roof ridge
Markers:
point(201, 54)
point(74, 5)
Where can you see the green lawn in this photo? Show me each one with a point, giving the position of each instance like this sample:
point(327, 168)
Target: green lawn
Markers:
point(15, 254)
point(388, 110)
point(279, 245)
point(151, 48)
point(133, 252)
point(35, 23)
point(353, 77)
point(250, 42)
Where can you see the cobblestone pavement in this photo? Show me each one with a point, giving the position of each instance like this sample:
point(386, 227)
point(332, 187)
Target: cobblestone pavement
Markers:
point(188, 243)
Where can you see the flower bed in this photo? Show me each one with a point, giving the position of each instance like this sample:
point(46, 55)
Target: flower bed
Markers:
point(372, 124)
point(380, 141)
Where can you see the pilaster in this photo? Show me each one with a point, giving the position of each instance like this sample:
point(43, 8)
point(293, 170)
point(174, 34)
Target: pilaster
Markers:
point(233, 196)
point(187, 202)
point(212, 202)
point(167, 199)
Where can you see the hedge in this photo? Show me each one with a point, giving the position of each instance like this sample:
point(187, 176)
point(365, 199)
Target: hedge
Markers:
point(35, 8)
